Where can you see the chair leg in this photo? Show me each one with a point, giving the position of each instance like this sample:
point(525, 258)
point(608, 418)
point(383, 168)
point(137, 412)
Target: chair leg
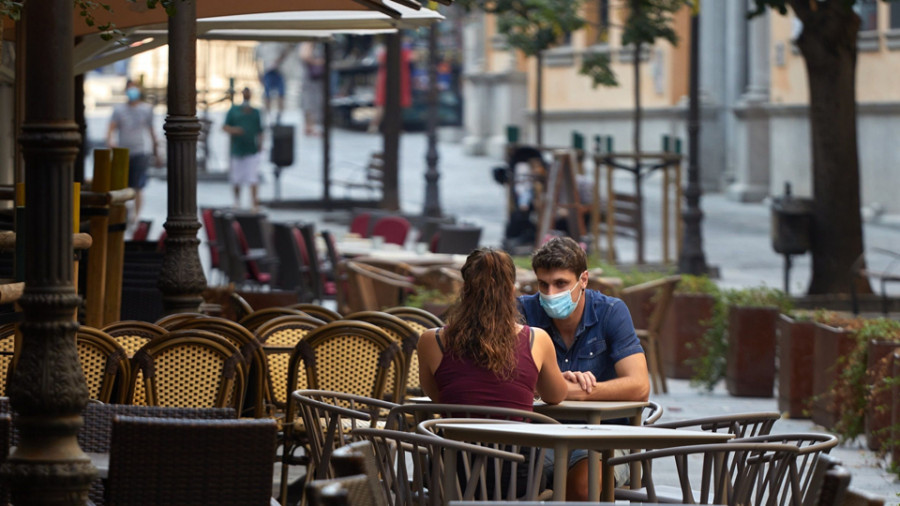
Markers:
point(659, 365)
point(652, 363)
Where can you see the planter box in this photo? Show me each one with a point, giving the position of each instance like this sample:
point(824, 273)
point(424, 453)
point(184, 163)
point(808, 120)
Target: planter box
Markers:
point(796, 345)
point(750, 364)
point(832, 345)
point(895, 409)
point(682, 327)
point(878, 408)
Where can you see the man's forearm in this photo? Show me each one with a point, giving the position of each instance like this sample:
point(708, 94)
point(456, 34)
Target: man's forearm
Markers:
point(618, 389)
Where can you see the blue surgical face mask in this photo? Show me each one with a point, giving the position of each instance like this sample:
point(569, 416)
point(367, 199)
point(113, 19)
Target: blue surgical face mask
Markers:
point(560, 305)
point(133, 94)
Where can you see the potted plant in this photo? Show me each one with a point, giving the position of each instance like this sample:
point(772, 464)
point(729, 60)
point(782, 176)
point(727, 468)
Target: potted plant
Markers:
point(687, 320)
point(862, 401)
point(740, 342)
point(795, 335)
point(835, 340)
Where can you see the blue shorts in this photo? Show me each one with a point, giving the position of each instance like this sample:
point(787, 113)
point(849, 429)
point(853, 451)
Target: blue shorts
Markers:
point(273, 83)
point(137, 171)
point(621, 472)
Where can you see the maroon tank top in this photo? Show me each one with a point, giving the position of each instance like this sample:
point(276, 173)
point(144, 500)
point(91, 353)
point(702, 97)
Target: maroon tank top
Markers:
point(460, 381)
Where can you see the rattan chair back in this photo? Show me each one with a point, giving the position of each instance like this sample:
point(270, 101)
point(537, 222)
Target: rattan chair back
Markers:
point(317, 311)
point(174, 321)
point(416, 316)
point(418, 469)
point(353, 357)
point(370, 288)
point(133, 334)
point(255, 319)
point(7, 353)
point(165, 461)
point(257, 396)
point(191, 368)
point(242, 308)
point(104, 363)
point(796, 482)
point(723, 473)
point(407, 338)
point(279, 337)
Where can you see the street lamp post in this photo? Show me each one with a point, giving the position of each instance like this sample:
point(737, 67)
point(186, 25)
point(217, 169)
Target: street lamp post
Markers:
point(432, 197)
point(692, 260)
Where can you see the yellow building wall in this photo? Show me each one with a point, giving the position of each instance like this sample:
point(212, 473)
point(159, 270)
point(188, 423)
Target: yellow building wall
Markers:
point(565, 89)
point(876, 71)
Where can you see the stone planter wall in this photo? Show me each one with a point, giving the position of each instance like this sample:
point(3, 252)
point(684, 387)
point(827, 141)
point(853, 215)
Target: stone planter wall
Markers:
point(750, 364)
point(796, 344)
point(831, 344)
point(682, 330)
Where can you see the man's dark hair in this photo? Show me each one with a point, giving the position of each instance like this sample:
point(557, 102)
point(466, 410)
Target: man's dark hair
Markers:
point(560, 253)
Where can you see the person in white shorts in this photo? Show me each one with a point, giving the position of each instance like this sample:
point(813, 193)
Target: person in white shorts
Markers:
point(244, 124)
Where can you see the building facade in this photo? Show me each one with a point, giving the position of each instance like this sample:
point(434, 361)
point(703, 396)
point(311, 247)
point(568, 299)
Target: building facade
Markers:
point(755, 133)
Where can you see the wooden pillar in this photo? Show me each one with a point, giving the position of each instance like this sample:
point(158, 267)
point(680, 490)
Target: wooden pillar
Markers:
point(392, 122)
point(47, 389)
point(182, 280)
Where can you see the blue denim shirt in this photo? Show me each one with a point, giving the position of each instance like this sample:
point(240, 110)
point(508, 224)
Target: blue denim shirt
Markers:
point(604, 336)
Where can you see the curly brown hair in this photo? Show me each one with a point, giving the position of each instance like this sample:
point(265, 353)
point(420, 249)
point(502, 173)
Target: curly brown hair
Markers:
point(560, 253)
point(482, 324)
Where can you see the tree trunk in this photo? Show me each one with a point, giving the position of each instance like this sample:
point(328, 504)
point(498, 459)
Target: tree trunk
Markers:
point(637, 104)
point(828, 46)
point(539, 100)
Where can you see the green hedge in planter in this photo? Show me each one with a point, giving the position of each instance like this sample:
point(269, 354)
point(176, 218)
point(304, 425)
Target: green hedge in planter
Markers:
point(854, 386)
point(710, 368)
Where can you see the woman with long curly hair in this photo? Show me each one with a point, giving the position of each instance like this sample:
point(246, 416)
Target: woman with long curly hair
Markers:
point(484, 355)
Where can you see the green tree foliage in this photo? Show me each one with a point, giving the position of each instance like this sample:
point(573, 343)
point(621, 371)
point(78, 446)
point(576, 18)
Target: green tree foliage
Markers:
point(532, 26)
point(13, 9)
point(647, 21)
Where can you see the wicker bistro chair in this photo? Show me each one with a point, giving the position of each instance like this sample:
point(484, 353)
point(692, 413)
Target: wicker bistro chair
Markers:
point(370, 288)
point(7, 350)
point(662, 290)
point(742, 425)
point(133, 334)
point(174, 321)
point(158, 461)
point(255, 319)
point(352, 357)
point(257, 398)
point(190, 368)
point(420, 319)
point(404, 335)
point(418, 469)
point(327, 419)
point(278, 338)
point(317, 311)
point(723, 473)
point(796, 479)
point(104, 363)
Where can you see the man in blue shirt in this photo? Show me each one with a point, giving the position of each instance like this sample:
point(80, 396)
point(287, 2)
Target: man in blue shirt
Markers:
point(596, 346)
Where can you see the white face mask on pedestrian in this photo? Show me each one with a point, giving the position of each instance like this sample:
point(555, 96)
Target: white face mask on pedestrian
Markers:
point(560, 305)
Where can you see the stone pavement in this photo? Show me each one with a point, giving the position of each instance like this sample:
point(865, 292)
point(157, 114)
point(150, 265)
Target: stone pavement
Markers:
point(736, 239)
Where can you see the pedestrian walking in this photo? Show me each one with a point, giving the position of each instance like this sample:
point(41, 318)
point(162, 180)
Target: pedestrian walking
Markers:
point(244, 124)
point(133, 121)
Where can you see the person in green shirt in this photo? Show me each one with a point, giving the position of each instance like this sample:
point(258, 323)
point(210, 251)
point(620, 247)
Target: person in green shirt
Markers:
point(244, 124)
